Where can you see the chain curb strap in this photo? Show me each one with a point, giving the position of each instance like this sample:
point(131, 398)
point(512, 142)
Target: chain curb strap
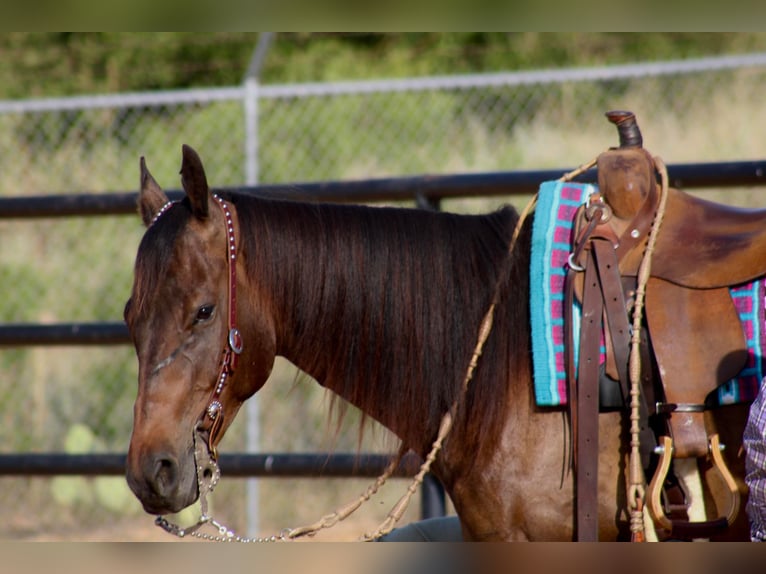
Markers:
point(208, 476)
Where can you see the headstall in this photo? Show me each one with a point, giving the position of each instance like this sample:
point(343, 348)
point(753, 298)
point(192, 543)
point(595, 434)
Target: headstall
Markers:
point(211, 419)
point(213, 414)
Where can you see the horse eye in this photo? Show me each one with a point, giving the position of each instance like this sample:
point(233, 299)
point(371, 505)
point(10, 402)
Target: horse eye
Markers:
point(204, 313)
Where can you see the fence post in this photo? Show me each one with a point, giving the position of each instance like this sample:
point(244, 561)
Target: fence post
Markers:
point(252, 408)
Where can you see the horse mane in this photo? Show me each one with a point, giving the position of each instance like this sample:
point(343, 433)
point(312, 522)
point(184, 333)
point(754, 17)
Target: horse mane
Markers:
point(384, 306)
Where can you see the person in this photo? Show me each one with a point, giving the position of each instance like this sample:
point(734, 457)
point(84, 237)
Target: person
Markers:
point(441, 529)
point(754, 442)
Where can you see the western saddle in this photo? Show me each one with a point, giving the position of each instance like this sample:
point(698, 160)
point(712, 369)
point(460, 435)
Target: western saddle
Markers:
point(695, 341)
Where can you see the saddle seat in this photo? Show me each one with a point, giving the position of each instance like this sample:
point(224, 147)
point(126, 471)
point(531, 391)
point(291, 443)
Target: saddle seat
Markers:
point(704, 245)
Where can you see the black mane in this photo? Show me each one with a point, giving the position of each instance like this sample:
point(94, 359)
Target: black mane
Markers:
point(384, 305)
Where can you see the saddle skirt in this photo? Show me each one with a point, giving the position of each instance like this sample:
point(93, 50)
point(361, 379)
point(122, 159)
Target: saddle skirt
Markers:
point(552, 236)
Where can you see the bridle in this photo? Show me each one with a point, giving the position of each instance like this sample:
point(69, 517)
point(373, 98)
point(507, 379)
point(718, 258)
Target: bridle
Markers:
point(212, 417)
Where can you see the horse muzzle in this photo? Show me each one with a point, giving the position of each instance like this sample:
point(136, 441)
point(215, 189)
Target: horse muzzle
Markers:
point(163, 482)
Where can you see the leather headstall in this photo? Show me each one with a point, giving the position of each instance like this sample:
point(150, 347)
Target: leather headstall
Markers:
point(212, 416)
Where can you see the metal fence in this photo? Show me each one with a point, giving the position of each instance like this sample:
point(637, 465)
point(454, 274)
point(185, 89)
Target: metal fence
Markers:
point(78, 269)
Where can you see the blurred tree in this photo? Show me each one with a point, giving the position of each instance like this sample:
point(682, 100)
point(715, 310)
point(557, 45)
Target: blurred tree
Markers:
point(38, 64)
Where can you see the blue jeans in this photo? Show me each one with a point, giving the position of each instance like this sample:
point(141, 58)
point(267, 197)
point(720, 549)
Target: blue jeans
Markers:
point(442, 529)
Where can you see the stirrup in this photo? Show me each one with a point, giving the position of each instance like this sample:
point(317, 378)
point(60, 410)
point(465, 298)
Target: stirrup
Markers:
point(682, 527)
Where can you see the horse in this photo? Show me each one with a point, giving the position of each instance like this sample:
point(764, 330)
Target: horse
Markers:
point(382, 306)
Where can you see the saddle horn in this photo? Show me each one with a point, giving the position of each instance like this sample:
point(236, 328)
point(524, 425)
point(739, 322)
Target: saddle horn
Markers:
point(626, 174)
point(627, 128)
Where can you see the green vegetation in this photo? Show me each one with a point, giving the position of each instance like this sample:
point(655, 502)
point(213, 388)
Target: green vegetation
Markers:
point(36, 64)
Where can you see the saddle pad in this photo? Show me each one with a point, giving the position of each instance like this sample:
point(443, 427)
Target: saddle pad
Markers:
point(557, 205)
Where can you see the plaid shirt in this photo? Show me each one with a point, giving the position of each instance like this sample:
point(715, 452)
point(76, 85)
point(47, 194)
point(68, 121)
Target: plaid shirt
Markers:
point(754, 441)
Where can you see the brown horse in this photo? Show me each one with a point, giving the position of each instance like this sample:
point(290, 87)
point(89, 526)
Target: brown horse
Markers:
point(380, 305)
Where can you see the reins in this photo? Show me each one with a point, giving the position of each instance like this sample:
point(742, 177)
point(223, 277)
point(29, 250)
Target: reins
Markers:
point(636, 478)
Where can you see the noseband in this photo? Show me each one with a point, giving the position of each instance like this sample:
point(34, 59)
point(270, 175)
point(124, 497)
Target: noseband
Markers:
point(212, 416)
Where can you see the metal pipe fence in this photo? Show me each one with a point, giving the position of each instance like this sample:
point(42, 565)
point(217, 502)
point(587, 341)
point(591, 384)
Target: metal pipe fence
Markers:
point(433, 188)
point(238, 465)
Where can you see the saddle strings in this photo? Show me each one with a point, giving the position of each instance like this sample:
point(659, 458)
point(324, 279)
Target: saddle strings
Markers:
point(636, 479)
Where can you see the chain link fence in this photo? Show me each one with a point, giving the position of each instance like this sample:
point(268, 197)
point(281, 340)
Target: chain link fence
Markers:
point(80, 269)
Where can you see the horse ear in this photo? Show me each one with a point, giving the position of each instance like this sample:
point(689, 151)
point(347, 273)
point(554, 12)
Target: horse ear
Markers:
point(194, 182)
point(152, 198)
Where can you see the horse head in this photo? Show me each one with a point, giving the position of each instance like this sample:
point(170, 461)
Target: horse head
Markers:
point(182, 317)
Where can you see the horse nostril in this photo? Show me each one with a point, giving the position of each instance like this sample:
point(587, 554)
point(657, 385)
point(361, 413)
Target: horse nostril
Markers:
point(165, 476)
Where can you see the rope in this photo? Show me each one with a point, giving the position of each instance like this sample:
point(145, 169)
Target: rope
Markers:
point(575, 172)
point(445, 427)
point(330, 520)
point(637, 480)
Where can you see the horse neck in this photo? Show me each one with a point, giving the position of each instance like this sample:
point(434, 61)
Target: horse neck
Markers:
point(299, 272)
point(332, 301)
point(381, 306)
